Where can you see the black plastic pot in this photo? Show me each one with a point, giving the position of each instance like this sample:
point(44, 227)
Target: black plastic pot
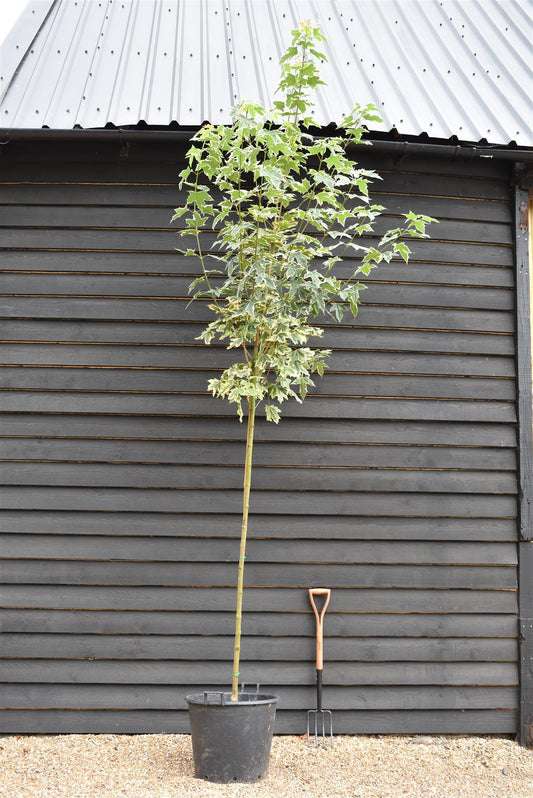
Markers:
point(231, 739)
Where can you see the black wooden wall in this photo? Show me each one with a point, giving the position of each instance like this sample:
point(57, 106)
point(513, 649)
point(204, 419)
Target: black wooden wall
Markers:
point(394, 484)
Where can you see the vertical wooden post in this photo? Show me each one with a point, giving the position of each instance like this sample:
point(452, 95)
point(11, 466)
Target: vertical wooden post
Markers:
point(525, 440)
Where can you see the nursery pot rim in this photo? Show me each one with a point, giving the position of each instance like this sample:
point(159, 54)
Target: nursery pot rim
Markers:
point(222, 698)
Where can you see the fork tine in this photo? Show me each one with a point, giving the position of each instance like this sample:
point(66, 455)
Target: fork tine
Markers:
point(322, 727)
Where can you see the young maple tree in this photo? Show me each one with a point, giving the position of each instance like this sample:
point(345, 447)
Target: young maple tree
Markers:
point(287, 205)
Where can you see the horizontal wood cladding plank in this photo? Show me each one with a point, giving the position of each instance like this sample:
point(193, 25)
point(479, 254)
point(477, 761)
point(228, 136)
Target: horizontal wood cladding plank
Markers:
point(162, 697)
point(159, 265)
point(422, 250)
point(449, 230)
point(351, 503)
point(344, 408)
point(411, 180)
point(416, 177)
point(164, 286)
point(265, 454)
point(211, 673)
point(213, 359)
point(165, 198)
point(218, 358)
point(159, 218)
point(442, 207)
point(416, 273)
point(175, 334)
point(261, 526)
point(76, 197)
point(122, 475)
point(196, 599)
point(468, 252)
point(57, 721)
point(184, 392)
point(187, 368)
point(117, 385)
point(353, 624)
point(302, 575)
point(137, 309)
point(121, 548)
point(195, 647)
point(178, 392)
point(54, 193)
point(293, 429)
point(316, 407)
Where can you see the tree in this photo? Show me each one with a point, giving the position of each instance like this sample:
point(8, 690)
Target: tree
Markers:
point(287, 204)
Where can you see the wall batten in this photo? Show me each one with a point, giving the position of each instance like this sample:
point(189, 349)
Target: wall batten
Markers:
point(524, 356)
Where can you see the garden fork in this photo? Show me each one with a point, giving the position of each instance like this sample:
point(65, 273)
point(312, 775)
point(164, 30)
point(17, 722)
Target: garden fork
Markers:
point(322, 717)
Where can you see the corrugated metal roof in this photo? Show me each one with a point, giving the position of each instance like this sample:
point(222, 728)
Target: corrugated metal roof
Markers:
point(440, 67)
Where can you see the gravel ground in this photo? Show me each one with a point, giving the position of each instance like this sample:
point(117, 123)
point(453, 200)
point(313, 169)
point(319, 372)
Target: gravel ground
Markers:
point(160, 766)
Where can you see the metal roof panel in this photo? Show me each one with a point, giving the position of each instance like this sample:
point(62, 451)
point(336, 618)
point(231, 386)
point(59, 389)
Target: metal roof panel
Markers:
point(443, 68)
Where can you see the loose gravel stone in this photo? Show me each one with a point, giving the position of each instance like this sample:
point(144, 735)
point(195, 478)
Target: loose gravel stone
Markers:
point(161, 766)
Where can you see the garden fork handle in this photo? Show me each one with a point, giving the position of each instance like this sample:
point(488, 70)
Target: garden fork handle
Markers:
point(319, 616)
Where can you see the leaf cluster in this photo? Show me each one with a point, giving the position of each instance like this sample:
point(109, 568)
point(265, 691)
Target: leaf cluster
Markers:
point(286, 206)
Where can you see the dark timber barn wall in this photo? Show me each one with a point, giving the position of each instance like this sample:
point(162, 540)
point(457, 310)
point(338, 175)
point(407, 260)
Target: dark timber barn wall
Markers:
point(395, 484)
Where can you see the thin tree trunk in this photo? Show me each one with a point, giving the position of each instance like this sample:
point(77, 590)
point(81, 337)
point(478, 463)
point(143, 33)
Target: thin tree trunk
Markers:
point(242, 553)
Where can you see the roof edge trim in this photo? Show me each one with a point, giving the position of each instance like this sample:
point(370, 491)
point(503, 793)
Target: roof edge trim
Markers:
point(400, 148)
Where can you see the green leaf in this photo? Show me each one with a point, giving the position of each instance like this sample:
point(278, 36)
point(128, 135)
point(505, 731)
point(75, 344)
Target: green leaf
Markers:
point(402, 250)
point(272, 413)
point(354, 307)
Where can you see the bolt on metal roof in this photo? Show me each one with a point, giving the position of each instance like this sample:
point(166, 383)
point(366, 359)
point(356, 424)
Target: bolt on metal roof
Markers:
point(444, 68)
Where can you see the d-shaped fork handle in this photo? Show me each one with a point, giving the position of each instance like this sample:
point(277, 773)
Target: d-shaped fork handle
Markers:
point(324, 592)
